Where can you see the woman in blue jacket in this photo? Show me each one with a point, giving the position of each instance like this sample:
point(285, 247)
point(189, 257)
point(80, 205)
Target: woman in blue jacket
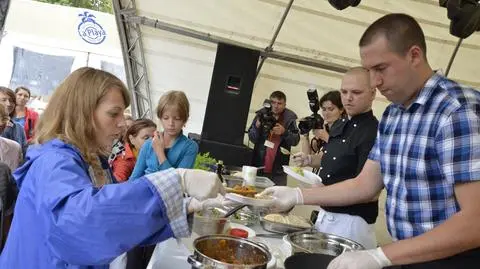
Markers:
point(67, 214)
point(169, 148)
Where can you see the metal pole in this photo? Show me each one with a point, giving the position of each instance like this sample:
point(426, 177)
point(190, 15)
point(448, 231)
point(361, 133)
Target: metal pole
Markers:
point(126, 60)
point(4, 4)
point(453, 56)
point(134, 58)
point(277, 31)
point(216, 39)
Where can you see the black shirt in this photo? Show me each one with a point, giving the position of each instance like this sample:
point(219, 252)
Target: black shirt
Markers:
point(345, 154)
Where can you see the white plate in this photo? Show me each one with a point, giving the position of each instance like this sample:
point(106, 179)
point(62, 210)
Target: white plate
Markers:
point(251, 233)
point(249, 201)
point(308, 177)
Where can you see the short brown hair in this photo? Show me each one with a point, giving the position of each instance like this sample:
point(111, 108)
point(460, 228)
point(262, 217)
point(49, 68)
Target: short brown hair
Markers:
point(136, 127)
point(22, 88)
point(278, 95)
point(401, 31)
point(11, 96)
point(174, 98)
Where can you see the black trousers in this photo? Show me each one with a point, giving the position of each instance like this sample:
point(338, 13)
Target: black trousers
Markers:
point(138, 257)
point(465, 260)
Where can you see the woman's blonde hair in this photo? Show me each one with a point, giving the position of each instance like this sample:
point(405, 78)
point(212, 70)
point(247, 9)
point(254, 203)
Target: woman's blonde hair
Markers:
point(177, 99)
point(69, 115)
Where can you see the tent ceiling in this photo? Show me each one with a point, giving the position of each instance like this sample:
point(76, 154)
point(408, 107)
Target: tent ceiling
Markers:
point(315, 30)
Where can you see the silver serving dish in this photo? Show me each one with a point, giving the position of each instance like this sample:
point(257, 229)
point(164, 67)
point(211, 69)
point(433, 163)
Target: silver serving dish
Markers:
point(277, 227)
point(243, 216)
point(323, 243)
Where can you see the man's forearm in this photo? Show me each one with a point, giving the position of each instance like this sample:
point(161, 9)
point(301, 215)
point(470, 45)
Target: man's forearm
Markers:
point(361, 189)
point(458, 234)
point(348, 192)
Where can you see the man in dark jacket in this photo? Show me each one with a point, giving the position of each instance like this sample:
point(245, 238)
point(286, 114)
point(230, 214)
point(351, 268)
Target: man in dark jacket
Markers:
point(284, 134)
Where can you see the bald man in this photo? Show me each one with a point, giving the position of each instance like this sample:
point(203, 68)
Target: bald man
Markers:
point(343, 157)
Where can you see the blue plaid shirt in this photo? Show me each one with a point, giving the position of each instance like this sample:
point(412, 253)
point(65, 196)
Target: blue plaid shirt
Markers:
point(423, 151)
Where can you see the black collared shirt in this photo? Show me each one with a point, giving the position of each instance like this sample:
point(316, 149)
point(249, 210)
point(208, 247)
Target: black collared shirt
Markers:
point(345, 154)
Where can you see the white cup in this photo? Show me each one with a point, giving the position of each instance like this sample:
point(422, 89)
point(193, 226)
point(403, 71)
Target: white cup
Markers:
point(249, 173)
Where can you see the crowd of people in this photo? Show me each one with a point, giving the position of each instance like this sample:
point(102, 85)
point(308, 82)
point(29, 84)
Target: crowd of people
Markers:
point(98, 183)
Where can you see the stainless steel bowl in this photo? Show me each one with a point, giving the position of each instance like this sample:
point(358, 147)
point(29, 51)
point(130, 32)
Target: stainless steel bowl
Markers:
point(209, 251)
point(206, 222)
point(277, 227)
point(243, 216)
point(323, 243)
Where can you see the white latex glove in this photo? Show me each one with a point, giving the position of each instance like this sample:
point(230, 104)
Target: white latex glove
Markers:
point(196, 205)
point(285, 197)
point(200, 184)
point(301, 159)
point(365, 259)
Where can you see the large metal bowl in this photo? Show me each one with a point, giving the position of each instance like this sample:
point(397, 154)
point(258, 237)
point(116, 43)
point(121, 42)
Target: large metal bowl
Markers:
point(323, 243)
point(213, 251)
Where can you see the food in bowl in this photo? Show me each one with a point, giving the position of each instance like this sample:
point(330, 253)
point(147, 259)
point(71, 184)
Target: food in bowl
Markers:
point(289, 220)
point(232, 252)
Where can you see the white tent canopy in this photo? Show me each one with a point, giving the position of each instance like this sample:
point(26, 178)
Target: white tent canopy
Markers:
point(313, 30)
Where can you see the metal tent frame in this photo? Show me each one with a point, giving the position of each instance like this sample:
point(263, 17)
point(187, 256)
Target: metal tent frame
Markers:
point(129, 25)
point(136, 70)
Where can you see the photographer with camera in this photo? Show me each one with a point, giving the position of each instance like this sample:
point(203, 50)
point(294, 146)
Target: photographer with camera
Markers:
point(343, 157)
point(332, 110)
point(272, 128)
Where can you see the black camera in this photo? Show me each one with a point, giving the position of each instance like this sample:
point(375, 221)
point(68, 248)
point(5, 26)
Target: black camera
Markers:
point(314, 121)
point(266, 118)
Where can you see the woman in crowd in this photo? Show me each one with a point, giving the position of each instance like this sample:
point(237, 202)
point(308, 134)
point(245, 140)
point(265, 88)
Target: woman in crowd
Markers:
point(24, 116)
point(136, 135)
point(332, 110)
point(10, 151)
point(169, 148)
point(10, 157)
point(13, 131)
point(67, 214)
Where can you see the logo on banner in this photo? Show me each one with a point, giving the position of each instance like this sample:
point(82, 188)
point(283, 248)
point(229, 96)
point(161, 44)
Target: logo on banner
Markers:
point(89, 30)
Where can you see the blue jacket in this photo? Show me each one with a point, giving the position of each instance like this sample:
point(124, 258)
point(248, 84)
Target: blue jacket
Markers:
point(182, 154)
point(62, 221)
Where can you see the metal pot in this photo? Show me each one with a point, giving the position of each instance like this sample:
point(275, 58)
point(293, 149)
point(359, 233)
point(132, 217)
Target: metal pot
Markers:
point(322, 243)
point(228, 252)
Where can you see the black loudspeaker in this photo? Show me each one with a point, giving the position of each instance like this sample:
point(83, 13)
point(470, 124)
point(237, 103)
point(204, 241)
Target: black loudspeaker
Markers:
point(230, 94)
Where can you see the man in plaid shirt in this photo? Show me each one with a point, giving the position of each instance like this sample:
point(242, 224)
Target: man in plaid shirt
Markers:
point(427, 156)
